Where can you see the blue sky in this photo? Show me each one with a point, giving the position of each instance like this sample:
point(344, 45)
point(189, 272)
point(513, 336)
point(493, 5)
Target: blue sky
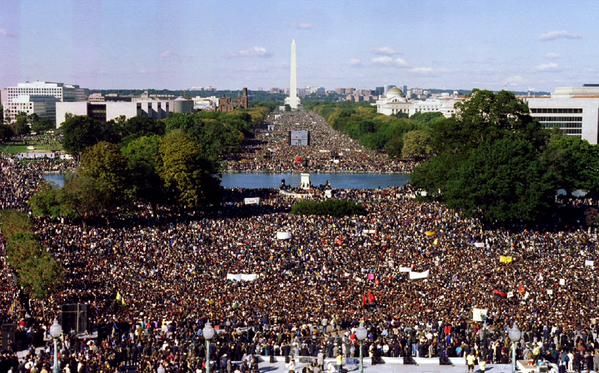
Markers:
point(179, 44)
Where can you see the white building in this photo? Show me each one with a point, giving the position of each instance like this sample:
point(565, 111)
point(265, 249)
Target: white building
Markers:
point(575, 111)
point(28, 97)
point(43, 106)
point(111, 110)
point(394, 102)
point(444, 104)
point(205, 103)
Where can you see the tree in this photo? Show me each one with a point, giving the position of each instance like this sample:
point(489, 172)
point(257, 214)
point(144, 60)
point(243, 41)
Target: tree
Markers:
point(37, 271)
point(81, 132)
point(53, 202)
point(417, 145)
point(39, 125)
point(101, 182)
point(331, 207)
point(491, 161)
point(21, 125)
point(144, 163)
point(186, 171)
point(573, 163)
point(138, 126)
point(503, 182)
point(6, 133)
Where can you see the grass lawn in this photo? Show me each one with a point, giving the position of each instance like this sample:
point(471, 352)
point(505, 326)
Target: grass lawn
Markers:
point(16, 149)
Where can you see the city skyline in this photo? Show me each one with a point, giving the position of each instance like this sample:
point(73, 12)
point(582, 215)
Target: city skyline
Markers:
point(177, 45)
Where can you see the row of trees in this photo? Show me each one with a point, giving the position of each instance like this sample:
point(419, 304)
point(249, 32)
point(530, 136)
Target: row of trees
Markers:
point(174, 161)
point(329, 207)
point(494, 161)
point(24, 125)
point(37, 271)
point(407, 138)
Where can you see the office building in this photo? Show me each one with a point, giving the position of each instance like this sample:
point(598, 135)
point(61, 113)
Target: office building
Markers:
point(39, 98)
point(574, 111)
point(105, 111)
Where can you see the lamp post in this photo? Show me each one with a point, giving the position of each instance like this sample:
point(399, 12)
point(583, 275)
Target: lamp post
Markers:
point(208, 333)
point(55, 333)
point(514, 334)
point(361, 334)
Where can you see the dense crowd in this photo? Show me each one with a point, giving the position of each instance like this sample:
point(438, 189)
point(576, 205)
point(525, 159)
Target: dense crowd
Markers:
point(328, 150)
point(152, 283)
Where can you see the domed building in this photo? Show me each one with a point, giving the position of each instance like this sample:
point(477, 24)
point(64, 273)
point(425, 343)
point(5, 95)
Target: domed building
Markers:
point(394, 102)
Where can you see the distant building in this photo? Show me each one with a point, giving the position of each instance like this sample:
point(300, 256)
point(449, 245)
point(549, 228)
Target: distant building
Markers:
point(105, 111)
point(574, 111)
point(227, 104)
point(379, 91)
point(395, 102)
point(205, 103)
point(40, 98)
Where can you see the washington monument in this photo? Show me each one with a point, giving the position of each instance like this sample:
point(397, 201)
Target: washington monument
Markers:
point(293, 101)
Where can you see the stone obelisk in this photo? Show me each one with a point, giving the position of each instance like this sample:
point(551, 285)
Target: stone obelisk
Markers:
point(293, 101)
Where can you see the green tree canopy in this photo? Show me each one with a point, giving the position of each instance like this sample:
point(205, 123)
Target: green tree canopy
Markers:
point(137, 127)
point(187, 172)
point(493, 161)
point(37, 271)
point(82, 132)
point(144, 162)
point(417, 144)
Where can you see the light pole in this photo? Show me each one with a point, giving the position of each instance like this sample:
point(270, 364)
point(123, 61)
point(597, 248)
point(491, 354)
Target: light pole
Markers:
point(55, 333)
point(208, 333)
point(361, 334)
point(515, 335)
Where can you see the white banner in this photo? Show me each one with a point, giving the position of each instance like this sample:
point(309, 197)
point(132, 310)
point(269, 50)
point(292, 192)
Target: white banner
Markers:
point(589, 263)
point(405, 269)
point(479, 244)
point(562, 281)
point(478, 313)
point(283, 235)
point(251, 201)
point(418, 275)
point(242, 276)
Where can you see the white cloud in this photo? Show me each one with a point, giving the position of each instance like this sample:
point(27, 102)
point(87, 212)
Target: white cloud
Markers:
point(549, 66)
point(513, 81)
point(552, 55)
point(304, 26)
point(252, 52)
point(561, 34)
point(424, 70)
point(355, 62)
point(385, 51)
point(389, 61)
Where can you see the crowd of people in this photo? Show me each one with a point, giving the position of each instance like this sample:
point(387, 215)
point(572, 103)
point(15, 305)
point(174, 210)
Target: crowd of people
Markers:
point(327, 151)
point(414, 272)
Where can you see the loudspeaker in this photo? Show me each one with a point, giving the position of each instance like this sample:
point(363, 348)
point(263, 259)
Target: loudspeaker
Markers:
point(7, 332)
point(73, 318)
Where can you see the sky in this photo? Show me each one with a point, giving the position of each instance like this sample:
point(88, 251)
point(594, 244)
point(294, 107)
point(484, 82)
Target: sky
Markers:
point(179, 44)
